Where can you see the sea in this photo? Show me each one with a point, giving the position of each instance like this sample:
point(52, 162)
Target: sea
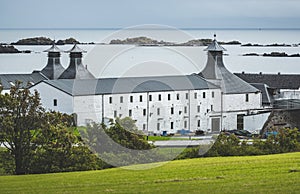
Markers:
point(105, 60)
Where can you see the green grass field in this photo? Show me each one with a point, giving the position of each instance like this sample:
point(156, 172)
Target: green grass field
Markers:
point(252, 174)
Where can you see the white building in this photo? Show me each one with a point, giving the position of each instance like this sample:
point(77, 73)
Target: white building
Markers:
point(238, 98)
point(167, 103)
point(211, 101)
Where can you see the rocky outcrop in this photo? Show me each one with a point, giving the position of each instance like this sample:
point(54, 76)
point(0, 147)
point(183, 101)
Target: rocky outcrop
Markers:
point(145, 41)
point(34, 41)
point(11, 49)
point(44, 41)
point(279, 119)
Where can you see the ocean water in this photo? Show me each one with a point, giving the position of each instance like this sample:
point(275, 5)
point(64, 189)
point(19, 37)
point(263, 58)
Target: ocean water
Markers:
point(128, 60)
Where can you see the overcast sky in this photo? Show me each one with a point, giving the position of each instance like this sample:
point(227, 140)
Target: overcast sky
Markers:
point(125, 13)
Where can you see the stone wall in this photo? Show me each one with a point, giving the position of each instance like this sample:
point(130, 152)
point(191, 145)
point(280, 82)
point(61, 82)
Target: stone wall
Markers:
point(282, 119)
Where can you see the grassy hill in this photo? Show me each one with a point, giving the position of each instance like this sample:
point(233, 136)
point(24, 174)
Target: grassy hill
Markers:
point(255, 174)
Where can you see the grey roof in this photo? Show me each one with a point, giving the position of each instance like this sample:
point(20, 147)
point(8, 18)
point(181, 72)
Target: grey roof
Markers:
point(130, 85)
point(276, 81)
point(53, 49)
point(267, 97)
point(76, 49)
point(7, 80)
point(216, 72)
point(76, 71)
point(214, 46)
point(53, 70)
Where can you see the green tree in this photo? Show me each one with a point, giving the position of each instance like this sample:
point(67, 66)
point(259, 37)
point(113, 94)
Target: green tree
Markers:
point(40, 141)
point(21, 113)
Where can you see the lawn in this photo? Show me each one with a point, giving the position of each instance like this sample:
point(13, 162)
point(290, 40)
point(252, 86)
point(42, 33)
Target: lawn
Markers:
point(252, 174)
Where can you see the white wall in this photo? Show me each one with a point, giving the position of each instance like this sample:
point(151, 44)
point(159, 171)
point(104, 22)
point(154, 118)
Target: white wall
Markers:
point(237, 102)
point(255, 122)
point(49, 93)
point(88, 108)
point(289, 94)
point(165, 118)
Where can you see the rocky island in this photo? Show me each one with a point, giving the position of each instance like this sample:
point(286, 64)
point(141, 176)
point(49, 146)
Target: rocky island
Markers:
point(273, 54)
point(4, 49)
point(269, 45)
point(145, 41)
point(44, 41)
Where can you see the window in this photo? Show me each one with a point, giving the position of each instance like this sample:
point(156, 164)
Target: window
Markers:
point(185, 109)
point(240, 122)
point(169, 96)
point(198, 123)
point(150, 97)
point(130, 113)
point(110, 100)
point(141, 98)
point(158, 126)
point(158, 111)
point(115, 113)
point(121, 99)
point(172, 110)
point(198, 108)
point(203, 94)
point(195, 95)
point(212, 94)
point(177, 96)
point(185, 124)
point(144, 126)
point(186, 95)
point(172, 125)
point(131, 98)
point(55, 102)
point(247, 97)
point(144, 112)
point(159, 97)
point(211, 107)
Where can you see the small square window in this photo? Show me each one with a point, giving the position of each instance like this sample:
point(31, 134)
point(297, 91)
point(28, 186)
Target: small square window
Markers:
point(185, 109)
point(185, 124)
point(141, 98)
point(247, 97)
point(130, 113)
point(55, 102)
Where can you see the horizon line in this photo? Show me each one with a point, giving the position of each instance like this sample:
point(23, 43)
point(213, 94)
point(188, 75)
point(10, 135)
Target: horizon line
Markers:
point(171, 28)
